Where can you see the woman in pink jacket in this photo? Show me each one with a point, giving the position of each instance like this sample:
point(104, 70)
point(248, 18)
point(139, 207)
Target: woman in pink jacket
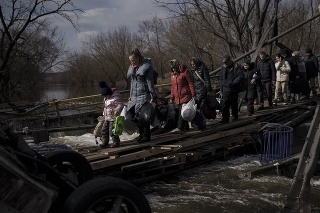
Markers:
point(112, 108)
point(182, 89)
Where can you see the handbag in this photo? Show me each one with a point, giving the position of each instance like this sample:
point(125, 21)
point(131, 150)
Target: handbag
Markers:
point(118, 125)
point(188, 110)
point(199, 121)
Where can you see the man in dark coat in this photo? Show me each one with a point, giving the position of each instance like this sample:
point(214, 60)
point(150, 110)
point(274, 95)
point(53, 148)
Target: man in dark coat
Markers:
point(231, 76)
point(312, 69)
point(252, 80)
point(267, 71)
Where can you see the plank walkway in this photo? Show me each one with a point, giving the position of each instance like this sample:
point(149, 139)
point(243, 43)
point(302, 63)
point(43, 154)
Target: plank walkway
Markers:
point(172, 152)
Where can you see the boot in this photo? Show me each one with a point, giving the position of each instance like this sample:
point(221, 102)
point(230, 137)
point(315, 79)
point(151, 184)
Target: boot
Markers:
point(114, 145)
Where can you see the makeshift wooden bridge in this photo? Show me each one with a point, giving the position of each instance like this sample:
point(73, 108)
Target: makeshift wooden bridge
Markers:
point(171, 152)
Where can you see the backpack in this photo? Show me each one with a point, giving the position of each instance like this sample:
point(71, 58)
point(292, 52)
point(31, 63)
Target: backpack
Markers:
point(155, 77)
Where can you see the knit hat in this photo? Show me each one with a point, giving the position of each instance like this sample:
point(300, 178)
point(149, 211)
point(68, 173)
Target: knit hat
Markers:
point(309, 50)
point(246, 61)
point(226, 58)
point(174, 63)
point(104, 89)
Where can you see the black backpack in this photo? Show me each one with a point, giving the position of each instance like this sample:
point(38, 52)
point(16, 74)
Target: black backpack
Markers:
point(155, 77)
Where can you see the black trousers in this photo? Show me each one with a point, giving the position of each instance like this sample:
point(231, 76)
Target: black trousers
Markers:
point(229, 99)
point(182, 124)
point(250, 105)
point(268, 87)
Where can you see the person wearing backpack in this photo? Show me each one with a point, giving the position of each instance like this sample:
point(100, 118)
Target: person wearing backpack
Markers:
point(142, 92)
point(112, 108)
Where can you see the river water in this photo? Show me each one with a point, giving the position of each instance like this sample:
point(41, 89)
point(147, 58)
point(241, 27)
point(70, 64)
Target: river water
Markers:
point(220, 186)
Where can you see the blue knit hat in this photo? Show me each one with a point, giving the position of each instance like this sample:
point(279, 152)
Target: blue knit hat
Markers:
point(104, 89)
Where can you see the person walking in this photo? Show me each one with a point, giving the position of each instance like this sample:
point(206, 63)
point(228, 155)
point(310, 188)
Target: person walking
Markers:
point(282, 79)
point(182, 89)
point(267, 70)
point(293, 74)
point(301, 64)
point(142, 91)
point(230, 78)
point(252, 80)
point(201, 81)
point(312, 69)
point(112, 108)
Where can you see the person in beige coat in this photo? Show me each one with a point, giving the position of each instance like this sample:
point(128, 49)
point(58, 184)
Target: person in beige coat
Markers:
point(282, 79)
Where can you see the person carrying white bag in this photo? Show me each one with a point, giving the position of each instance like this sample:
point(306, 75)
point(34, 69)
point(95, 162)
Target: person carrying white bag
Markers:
point(182, 91)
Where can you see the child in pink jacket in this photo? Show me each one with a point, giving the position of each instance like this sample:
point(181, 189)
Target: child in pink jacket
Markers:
point(112, 108)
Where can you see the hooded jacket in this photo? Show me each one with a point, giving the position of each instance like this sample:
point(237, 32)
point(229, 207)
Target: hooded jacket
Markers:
point(142, 85)
point(201, 87)
point(182, 86)
point(112, 106)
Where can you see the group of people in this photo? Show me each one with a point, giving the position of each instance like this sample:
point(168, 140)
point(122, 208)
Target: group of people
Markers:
point(245, 80)
point(292, 76)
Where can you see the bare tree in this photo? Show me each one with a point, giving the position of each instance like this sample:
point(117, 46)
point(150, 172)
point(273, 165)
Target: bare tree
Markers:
point(19, 16)
point(111, 51)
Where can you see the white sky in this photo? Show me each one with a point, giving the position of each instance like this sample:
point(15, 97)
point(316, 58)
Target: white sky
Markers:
point(103, 15)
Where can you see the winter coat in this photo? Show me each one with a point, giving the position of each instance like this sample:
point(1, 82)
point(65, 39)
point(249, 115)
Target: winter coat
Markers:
point(312, 66)
point(301, 68)
point(283, 70)
point(230, 78)
point(142, 85)
point(251, 89)
point(112, 106)
point(267, 70)
point(202, 86)
point(293, 66)
point(182, 86)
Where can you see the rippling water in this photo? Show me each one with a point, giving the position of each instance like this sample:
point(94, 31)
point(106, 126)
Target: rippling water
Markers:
point(220, 187)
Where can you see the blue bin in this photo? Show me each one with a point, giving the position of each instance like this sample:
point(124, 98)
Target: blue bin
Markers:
point(277, 143)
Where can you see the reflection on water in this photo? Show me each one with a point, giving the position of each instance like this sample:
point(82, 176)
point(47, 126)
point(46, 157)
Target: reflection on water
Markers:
point(53, 92)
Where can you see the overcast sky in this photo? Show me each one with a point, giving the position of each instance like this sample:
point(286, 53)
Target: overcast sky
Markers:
point(103, 15)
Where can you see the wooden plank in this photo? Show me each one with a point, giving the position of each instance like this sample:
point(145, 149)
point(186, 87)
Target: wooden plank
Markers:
point(100, 164)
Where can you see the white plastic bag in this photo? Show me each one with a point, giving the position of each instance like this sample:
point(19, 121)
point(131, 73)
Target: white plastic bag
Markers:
point(188, 110)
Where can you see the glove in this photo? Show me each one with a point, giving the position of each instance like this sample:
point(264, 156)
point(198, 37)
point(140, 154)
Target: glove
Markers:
point(253, 81)
point(230, 85)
